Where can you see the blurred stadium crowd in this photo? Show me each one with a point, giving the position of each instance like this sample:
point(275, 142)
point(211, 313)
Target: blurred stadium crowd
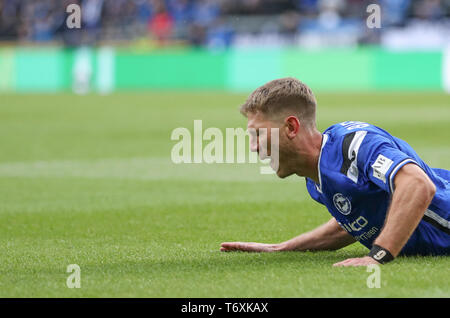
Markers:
point(222, 23)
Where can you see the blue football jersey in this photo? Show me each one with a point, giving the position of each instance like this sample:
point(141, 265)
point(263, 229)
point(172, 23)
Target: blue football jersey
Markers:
point(357, 166)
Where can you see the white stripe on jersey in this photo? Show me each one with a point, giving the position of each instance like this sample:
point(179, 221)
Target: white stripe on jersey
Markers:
point(352, 172)
point(439, 219)
point(324, 141)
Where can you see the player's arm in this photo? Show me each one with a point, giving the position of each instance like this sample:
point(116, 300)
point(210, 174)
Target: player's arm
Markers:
point(413, 194)
point(329, 236)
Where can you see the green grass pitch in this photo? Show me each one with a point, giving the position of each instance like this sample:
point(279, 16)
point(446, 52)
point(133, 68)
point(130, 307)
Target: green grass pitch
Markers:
point(89, 181)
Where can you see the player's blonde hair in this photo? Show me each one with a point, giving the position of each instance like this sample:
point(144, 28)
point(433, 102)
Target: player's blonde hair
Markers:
point(283, 97)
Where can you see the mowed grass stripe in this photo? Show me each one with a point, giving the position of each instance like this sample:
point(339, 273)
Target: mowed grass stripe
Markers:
point(60, 195)
point(154, 168)
point(137, 168)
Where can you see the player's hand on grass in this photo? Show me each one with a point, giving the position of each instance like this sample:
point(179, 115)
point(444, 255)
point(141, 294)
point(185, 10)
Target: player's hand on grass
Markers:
point(361, 261)
point(248, 247)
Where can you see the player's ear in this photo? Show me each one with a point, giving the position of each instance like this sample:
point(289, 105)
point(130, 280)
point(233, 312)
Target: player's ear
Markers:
point(292, 126)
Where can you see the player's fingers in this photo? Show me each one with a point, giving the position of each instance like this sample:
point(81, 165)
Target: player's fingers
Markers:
point(255, 247)
point(226, 246)
point(247, 247)
point(365, 261)
point(354, 262)
point(232, 246)
point(339, 263)
point(344, 263)
point(358, 264)
point(241, 246)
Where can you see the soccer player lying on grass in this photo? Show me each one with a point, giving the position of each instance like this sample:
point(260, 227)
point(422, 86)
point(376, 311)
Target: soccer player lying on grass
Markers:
point(375, 186)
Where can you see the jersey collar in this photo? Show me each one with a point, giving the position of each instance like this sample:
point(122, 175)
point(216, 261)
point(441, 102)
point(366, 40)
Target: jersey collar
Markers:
point(324, 141)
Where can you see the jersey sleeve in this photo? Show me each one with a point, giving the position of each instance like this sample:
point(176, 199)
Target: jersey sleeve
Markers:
point(380, 159)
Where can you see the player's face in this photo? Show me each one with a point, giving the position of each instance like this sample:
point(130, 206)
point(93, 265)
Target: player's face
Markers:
point(258, 129)
point(264, 141)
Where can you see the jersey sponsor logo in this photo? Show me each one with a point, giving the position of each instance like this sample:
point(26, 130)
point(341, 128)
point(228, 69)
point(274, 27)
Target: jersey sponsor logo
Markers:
point(342, 204)
point(367, 234)
point(356, 225)
point(381, 167)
